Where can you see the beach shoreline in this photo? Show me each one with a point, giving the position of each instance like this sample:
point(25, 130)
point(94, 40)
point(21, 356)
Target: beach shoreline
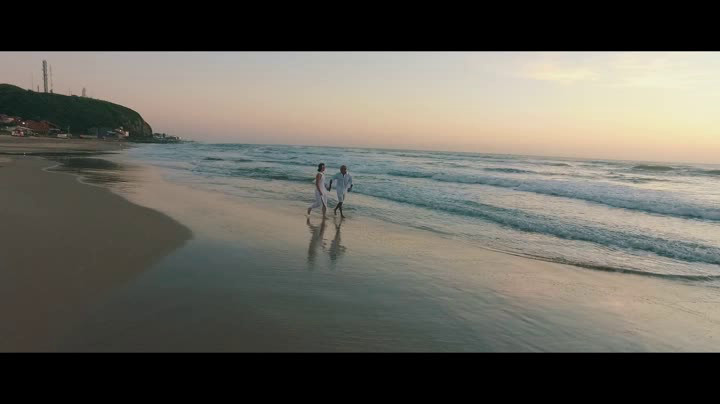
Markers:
point(161, 265)
point(65, 244)
point(260, 276)
point(39, 145)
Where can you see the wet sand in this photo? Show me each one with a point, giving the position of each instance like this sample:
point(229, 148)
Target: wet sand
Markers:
point(260, 276)
point(64, 245)
point(99, 268)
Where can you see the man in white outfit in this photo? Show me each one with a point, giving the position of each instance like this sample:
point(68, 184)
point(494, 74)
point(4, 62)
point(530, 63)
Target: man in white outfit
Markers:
point(344, 184)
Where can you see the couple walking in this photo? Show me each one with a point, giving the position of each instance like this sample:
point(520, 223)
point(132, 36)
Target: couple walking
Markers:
point(343, 184)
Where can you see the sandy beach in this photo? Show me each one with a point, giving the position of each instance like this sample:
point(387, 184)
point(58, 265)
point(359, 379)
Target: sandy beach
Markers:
point(260, 276)
point(509, 201)
point(33, 145)
point(64, 244)
point(145, 264)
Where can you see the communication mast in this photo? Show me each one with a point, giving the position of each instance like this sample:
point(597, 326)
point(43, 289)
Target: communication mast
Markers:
point(45, 76)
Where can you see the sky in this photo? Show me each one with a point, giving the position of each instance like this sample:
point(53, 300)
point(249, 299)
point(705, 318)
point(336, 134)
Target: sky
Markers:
point(617, 105)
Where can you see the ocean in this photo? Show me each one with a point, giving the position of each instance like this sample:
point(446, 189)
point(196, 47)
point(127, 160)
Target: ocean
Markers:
point(654, 219)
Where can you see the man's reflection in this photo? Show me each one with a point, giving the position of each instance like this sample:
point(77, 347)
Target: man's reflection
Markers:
point(316, 240)
point(336, 249)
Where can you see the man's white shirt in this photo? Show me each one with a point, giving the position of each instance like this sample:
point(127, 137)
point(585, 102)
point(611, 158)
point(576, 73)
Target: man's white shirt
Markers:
point(343, 182)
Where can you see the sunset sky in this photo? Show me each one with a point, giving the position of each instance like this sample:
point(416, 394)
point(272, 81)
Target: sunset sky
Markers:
point(645, 106)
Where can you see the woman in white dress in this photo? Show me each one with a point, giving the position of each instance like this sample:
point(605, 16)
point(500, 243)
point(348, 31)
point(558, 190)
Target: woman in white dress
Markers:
point(320, 191)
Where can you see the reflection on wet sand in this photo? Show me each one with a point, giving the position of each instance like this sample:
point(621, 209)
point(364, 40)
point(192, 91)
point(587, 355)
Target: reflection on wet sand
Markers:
point(316, 240)
point(93, 170)
point(337, 249)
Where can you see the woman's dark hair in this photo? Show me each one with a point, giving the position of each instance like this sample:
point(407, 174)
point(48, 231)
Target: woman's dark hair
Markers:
point(320, 166)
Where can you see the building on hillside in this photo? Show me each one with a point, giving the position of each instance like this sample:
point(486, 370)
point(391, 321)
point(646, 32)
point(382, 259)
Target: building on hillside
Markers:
point(10, 119)
point(21, 131)
point(100, 133)
point(163, 137)
point(121, 133)
point(41, 127)
point(105, 133)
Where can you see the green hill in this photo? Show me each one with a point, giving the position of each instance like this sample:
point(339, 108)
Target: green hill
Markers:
point(79, 113)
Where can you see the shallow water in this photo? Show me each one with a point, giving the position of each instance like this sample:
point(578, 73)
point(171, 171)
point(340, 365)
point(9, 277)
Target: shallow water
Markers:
point(659, 219)
point(259, 276)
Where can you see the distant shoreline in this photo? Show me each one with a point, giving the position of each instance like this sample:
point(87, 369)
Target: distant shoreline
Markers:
point(32, 145)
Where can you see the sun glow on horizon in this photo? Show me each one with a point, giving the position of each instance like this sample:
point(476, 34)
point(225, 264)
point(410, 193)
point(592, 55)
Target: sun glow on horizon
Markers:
point(625, 106)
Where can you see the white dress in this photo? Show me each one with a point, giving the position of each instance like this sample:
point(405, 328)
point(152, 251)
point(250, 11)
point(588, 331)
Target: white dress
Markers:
point(320, 197)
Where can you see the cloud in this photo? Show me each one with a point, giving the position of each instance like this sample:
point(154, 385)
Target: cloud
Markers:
point(632, 69)
point(552, 72)
point(665, 71)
